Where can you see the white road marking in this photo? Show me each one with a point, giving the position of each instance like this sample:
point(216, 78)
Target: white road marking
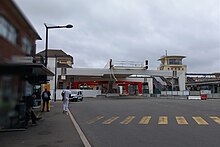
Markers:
point(80, 132)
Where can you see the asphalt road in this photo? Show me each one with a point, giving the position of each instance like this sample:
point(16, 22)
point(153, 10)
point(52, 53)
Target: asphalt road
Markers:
point(132, 122)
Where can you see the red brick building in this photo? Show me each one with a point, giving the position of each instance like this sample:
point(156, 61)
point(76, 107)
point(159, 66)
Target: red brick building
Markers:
point(19, 73)
point(17, 35)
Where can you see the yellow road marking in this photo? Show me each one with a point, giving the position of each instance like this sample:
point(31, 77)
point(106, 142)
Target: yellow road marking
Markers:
point(163, 120)
point(216, 119)
point(145, 120)
point(181, 120)
point(200, 120)
point(110, 120)
point(127, 120)
point(95, 119)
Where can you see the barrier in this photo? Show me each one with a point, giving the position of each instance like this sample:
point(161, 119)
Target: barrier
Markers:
point(175, 93)
point(194, 97)
point(203, 94)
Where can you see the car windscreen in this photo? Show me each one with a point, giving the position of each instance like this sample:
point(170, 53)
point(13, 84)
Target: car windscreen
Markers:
point(74, 92)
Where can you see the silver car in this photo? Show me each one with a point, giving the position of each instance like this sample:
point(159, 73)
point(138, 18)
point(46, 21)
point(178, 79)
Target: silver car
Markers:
point(76, 95)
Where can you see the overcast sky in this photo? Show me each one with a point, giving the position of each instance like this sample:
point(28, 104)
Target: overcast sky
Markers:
point(130, 30)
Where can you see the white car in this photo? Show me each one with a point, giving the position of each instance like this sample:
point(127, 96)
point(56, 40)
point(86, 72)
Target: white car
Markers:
point(76, 95)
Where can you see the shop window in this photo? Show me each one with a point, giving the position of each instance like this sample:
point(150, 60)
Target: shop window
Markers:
point(60, 85)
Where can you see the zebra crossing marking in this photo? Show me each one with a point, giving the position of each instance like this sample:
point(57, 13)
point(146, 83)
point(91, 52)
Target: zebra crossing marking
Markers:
point(181, 120)
point(110, 120)
point(215, 119)
point(163, 120)
point(127, 120)
point(95, 119)
point(145, 120)
point(200, 120)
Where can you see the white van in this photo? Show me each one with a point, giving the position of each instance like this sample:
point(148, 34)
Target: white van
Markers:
point(76, 95)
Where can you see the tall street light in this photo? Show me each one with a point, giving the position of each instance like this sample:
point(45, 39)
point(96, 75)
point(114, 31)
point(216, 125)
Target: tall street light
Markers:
point(46, 49)
point(52, 27)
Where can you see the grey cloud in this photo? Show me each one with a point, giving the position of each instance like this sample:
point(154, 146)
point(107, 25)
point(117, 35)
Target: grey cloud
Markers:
point(131, 30)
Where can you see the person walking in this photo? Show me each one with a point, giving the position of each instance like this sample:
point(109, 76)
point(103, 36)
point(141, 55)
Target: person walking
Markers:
point(66, 95)
point(46, 98)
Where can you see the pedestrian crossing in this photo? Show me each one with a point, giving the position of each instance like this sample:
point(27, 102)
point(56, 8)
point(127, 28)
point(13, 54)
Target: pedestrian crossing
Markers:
point(181, 120)
point(145, 120)
point(215, 119)
point(160, 120)
point(127, 120)
point(163, 120)
point(200, 121)
point(110, 120)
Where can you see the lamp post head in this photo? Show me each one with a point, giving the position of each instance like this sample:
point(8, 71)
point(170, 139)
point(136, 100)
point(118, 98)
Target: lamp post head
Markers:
point(69, 26)
point(57, 27)
point(52, 27)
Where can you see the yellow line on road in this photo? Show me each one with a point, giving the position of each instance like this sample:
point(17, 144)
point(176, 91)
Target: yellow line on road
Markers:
point(145, 120)
point(200, 120)
point(163, 120)
point(181, 120)
point(110, 120)
point(216, 119)
point(95, 119)
point(127, 120)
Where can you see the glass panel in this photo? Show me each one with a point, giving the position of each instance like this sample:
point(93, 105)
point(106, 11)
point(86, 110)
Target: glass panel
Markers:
point(175, 61)
point(3, 27)
point(12, 35)
point(7, 30)
point(26, 46)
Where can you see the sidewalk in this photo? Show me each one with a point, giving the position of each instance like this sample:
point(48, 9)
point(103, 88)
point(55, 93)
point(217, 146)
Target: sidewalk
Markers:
point(54, 130)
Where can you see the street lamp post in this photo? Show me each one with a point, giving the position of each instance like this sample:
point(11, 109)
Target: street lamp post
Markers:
point(55, 79)
point(46, 49)
point(52, 27)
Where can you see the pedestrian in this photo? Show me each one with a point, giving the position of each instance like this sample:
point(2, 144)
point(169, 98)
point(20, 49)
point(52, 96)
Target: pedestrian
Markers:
point(29, 110)
point(46, 98)
point(66, 95)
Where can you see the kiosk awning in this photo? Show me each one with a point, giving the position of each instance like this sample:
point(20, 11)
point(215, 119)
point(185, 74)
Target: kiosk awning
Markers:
point(29, 69)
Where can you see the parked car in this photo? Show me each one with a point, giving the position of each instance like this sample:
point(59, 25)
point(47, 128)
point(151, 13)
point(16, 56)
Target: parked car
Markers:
point(76, 95)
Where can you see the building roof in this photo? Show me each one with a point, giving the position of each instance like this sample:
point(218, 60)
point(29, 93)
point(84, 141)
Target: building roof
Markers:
point(19, 13)
point(54, 53)
point(174, 56)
